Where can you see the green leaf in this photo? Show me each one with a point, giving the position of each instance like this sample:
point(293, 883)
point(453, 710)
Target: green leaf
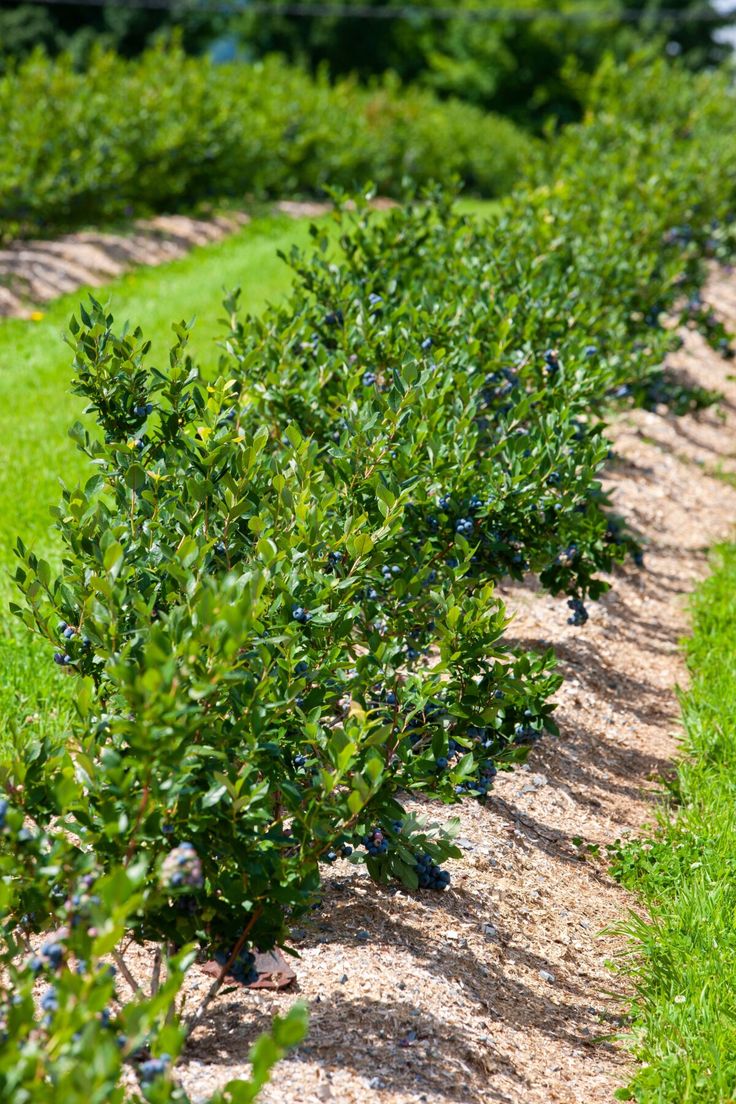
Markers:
point(113, 559)
point(135, 477)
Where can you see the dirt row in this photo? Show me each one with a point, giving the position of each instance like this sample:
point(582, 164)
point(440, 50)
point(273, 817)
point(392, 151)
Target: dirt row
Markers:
point(499, 990)
point(36, 271)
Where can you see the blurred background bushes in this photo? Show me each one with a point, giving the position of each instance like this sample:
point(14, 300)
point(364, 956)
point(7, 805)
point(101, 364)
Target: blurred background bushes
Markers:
point(527, 68)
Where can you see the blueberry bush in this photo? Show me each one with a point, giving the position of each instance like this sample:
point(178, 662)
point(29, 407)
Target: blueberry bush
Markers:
point(271, 648)
point(72, 1027)
point(277, 592)
point(91, 146)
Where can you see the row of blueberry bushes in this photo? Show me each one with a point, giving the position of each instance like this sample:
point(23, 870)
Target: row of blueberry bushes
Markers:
point(112, 140)
point(277, 597)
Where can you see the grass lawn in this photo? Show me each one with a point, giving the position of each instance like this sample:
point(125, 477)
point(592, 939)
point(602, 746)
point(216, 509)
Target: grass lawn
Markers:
point(37, 408)
point(684, 967)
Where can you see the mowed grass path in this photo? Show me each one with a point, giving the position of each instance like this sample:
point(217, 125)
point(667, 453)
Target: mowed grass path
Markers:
point(37, 408)
point(683, 934)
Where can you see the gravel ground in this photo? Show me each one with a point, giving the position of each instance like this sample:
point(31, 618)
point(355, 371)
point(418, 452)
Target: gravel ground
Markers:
point(499, 990)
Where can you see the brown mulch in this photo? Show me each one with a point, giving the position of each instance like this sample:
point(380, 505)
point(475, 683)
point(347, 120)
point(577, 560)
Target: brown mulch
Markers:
point(498, 990)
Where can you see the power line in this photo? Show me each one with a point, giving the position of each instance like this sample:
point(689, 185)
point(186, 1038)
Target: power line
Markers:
point(704, 14)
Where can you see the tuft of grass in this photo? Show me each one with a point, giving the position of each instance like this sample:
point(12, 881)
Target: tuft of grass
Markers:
point(682, 958)
point(719, 472)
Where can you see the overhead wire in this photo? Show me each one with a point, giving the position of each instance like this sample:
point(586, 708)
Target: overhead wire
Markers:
point(702, 14)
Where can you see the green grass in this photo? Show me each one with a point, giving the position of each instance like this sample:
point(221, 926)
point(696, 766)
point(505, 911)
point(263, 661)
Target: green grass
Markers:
point(684, 954)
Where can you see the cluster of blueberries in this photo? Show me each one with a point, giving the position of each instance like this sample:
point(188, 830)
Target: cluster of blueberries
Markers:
point(300, 615)
point(499, 385)
point(567, 557)
point(78, 904)
point(182, 867)
point(525, 734)
point(52, 956)
point(466, 523)
point(486, 738)
point(579, 613)
point(152, 1068)
point(551, 360)
point(143, 410)
point(53, 953)
point(616, 534)
point(430, 875)
point(482, 784)
point(68, 632)
point(486, 775)
point(345, 853)
point(49, 1003)
point(243, 968)
point(376, 843)
point(334, 559)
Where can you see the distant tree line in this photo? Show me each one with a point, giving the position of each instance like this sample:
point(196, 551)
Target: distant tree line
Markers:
point(528, 69)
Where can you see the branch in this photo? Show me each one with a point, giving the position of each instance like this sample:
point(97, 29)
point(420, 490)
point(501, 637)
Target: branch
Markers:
point(123, 967)
point(216, 985)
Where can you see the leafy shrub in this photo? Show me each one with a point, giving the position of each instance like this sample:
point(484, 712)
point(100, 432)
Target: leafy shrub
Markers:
point(68, 1031)
point(271, 654)
point(168, 130)
point(277, 588)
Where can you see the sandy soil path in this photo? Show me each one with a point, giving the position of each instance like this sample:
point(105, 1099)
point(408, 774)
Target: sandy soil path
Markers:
point(498, 990)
